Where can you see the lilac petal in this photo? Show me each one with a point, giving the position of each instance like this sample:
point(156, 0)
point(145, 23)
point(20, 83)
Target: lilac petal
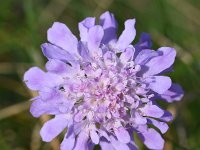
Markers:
point(144, 42)
point(55, 79)
point(152, 110)
point(109, 24)
point(104, 134)
point(162, 126)
point(48, 94)
point(60, 35)
point(94, 137)
point(127, 55)
point(69, 140)
point(53, 127)
point(106, 145)
point(174, 93)
point(160, 63)
point(132, 145)
point(130, 99)
point(122, 135)
point(94, 38)
point(34, 78)
point(127, 36)
point(152, 139)
point(159, 84)
point(84, 26)
point(144, 56)
point(138, 119)
point(54, 52)
point(56, 66)
point(79, 116)
point(82, 141)
point(39, 107)
point(90, 146)
point(83, 51)
point(65, 106)
point(117, 144)
point(78, 127)
point(167, 116)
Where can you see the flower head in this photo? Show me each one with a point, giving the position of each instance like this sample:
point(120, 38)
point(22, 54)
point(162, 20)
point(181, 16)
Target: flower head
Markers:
point(103, 88)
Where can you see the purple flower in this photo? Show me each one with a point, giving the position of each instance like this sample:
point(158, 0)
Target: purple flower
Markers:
point(103, 88)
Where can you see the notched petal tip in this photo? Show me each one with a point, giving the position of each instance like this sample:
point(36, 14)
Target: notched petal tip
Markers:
point(84, 26)
point(33, 78)
point(60, 35)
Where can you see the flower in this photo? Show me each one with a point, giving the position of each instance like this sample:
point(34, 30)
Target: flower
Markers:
point(103, 88)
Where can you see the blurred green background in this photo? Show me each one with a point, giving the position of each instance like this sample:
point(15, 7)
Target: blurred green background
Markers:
point(23, 26)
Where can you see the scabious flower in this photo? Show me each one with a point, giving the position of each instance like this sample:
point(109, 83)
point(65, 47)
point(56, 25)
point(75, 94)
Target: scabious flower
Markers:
point(102, 88)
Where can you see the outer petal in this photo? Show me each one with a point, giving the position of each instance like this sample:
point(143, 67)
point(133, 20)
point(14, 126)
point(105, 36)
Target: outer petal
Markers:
point(94, 38)
point(69, 140)
point(162, 126)
point(78, 127)
point(52, 80)
point(82, 141)
point(159, 84)
point(144, 42)
point(84, 26)
point(34, 78)
point(152, 110)
point(151, 138)
point(127, 36)
point(138, 119)
point(94, 136)
point(60, 35)
point(48, 94)
point(144, 56)
point(167, 116)
point(40, 107)
point(90, 146)
point(83, 51)
point(106, 145)
point(65, 106)
point(132, 145)
point(54, 52)
point(56, 66)
point(122, 135)
point(175, 93)
point(118, 145)
point(163, 61)
point(79, 116)
point(53, 127)
point(109, 24)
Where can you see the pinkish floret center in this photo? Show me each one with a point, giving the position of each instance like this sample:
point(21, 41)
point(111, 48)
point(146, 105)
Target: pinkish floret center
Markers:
point(105, 92)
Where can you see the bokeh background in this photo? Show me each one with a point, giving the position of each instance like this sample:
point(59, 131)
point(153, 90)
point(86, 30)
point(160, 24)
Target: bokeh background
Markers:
point(23, 26)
